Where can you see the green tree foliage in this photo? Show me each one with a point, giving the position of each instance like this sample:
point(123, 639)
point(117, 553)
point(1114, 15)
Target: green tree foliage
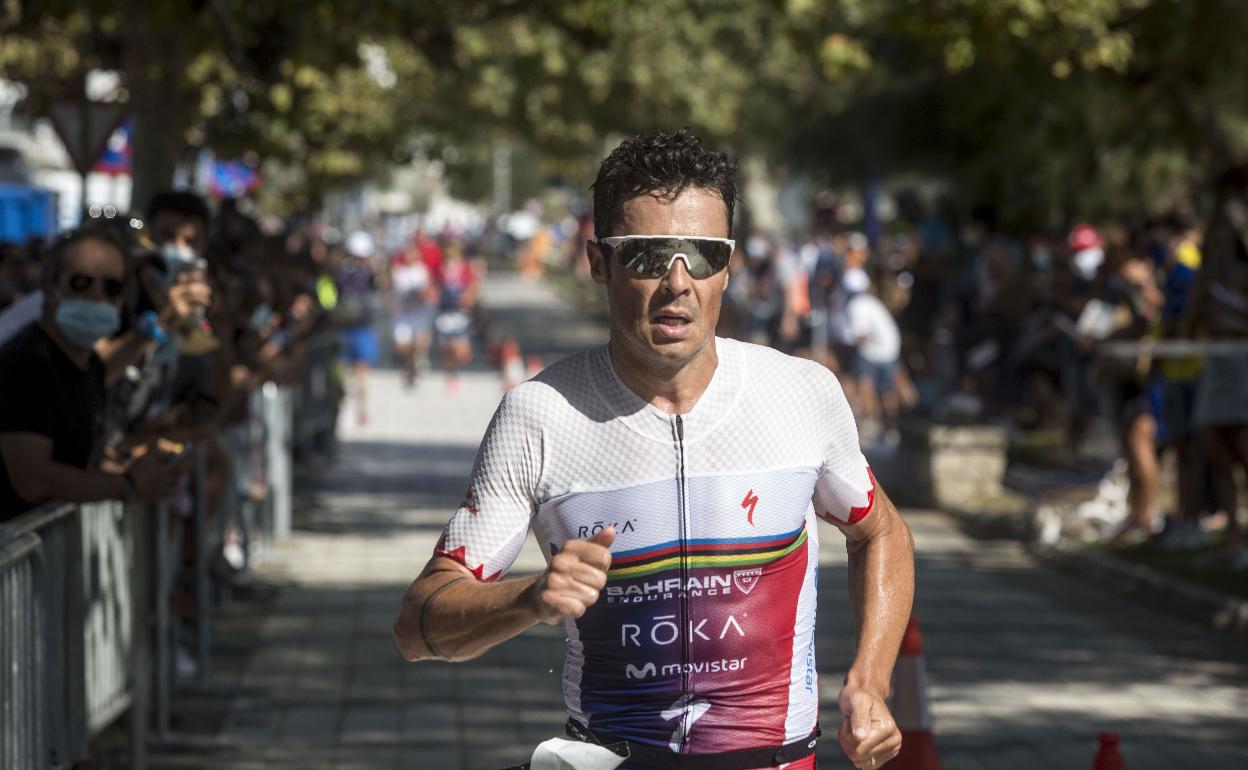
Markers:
point(1053, 109)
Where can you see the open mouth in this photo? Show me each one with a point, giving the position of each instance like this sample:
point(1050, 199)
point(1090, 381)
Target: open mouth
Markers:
point(671, 320)
point(672, 326)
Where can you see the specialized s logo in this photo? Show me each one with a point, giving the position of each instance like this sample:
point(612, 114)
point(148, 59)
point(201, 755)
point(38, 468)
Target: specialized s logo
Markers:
point(748, 503)
point(746, 579)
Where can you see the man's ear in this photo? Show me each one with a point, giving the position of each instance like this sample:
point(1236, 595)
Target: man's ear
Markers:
point(599, 270)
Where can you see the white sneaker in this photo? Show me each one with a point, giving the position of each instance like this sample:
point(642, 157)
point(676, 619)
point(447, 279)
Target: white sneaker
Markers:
point(185, 664)
point(234, 556)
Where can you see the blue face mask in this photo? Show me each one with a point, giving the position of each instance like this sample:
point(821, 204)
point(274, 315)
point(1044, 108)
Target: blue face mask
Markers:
point(259, 317)
point(83, 321)
point(177, 257)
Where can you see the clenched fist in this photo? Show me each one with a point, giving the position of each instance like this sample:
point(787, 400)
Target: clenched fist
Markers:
point(868, 734)
point(576, 574)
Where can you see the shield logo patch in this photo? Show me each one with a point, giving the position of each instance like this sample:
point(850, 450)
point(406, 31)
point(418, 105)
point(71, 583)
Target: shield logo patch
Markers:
point(746, 579)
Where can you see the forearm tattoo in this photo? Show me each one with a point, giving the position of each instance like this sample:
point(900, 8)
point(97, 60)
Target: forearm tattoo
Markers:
point(424, 613)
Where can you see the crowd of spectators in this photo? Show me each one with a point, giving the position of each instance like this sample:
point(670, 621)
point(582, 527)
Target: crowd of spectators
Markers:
point(976, 324)
point(963, 321)
point(130, 349)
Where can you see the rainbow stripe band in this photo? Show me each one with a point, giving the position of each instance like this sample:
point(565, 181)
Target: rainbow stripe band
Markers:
point(705, 553)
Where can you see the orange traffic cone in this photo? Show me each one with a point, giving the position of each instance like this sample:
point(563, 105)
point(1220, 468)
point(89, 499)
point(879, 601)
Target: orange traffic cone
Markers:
point(1108, 757)
point(511, 364)
point(533, 365)
point(910, 707)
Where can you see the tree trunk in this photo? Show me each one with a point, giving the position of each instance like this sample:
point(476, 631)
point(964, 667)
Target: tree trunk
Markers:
point(161, 107)
point(158, 143)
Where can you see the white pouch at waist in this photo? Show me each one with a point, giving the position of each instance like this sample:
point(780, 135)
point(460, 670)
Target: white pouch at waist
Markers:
point(561, 754)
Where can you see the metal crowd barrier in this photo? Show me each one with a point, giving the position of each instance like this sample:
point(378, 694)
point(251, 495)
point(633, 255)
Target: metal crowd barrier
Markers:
point(87, 634)
point(86, 655)
point(1173, 348)
point(22, 675)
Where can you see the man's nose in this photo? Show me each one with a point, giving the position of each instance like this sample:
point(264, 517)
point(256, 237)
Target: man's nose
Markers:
point(678, 280)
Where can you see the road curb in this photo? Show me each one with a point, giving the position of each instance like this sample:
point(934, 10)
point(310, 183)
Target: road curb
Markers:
point(1215, 609)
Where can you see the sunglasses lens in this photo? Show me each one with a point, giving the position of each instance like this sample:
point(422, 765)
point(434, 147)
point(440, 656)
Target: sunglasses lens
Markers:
point(80, 282)
point(643, 256)
point(716, 254)
point(651, 257)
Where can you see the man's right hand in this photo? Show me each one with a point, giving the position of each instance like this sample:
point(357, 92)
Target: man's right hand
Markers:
point(571, 583)
point(156, 475)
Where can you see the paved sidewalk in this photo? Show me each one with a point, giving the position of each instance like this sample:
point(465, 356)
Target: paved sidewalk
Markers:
point(1026, 665)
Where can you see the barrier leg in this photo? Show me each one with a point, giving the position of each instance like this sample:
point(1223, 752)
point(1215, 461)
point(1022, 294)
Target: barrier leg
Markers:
point(56, 552)
point(164, 664)
point(203, 599)
point(75, 638)
point(141, 680)
point(277, 415)
point(22, 717)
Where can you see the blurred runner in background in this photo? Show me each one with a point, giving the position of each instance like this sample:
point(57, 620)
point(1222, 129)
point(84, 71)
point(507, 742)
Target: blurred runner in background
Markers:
point(458, 298)
point(414, 294)
point(354, 314)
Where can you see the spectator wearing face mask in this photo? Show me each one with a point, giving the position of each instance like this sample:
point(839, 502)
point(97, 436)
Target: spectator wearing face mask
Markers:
point(52, 388)
point(177, 222)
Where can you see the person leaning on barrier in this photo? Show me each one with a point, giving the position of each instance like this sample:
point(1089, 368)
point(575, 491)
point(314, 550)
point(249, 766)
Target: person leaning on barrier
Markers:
point(52, 388)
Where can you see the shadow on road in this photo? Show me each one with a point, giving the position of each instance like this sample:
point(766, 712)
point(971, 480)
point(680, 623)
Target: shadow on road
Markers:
point(377, 487)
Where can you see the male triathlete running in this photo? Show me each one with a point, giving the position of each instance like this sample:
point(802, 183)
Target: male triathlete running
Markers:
point(673, 479)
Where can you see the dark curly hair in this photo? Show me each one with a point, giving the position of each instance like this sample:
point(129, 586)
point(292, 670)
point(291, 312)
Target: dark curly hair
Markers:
point(180, 202)
point(664, 165)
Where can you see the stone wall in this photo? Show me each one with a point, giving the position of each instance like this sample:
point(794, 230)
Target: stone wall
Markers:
point(954, 467)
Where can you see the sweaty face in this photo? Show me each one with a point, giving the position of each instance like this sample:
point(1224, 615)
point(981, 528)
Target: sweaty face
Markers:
point(664, 323)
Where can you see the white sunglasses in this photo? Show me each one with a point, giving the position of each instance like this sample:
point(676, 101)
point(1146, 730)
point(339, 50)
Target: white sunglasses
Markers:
point(652, 256)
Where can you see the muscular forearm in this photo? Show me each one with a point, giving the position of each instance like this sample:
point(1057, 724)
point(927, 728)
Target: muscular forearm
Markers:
point(459, 617)
point(881, 586)
point(120, 353)
point(58, 481)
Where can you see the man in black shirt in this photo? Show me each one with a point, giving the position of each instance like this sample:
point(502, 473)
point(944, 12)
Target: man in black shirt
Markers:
point(52, 388)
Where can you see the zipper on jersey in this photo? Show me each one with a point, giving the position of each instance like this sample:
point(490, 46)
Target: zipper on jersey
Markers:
point(683, 503)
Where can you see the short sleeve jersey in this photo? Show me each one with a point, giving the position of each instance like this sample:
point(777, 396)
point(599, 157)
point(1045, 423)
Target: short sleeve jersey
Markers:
point(703, 638)
point(43, 392)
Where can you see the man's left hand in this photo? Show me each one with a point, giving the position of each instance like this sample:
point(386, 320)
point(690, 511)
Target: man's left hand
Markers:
point(868, 733)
